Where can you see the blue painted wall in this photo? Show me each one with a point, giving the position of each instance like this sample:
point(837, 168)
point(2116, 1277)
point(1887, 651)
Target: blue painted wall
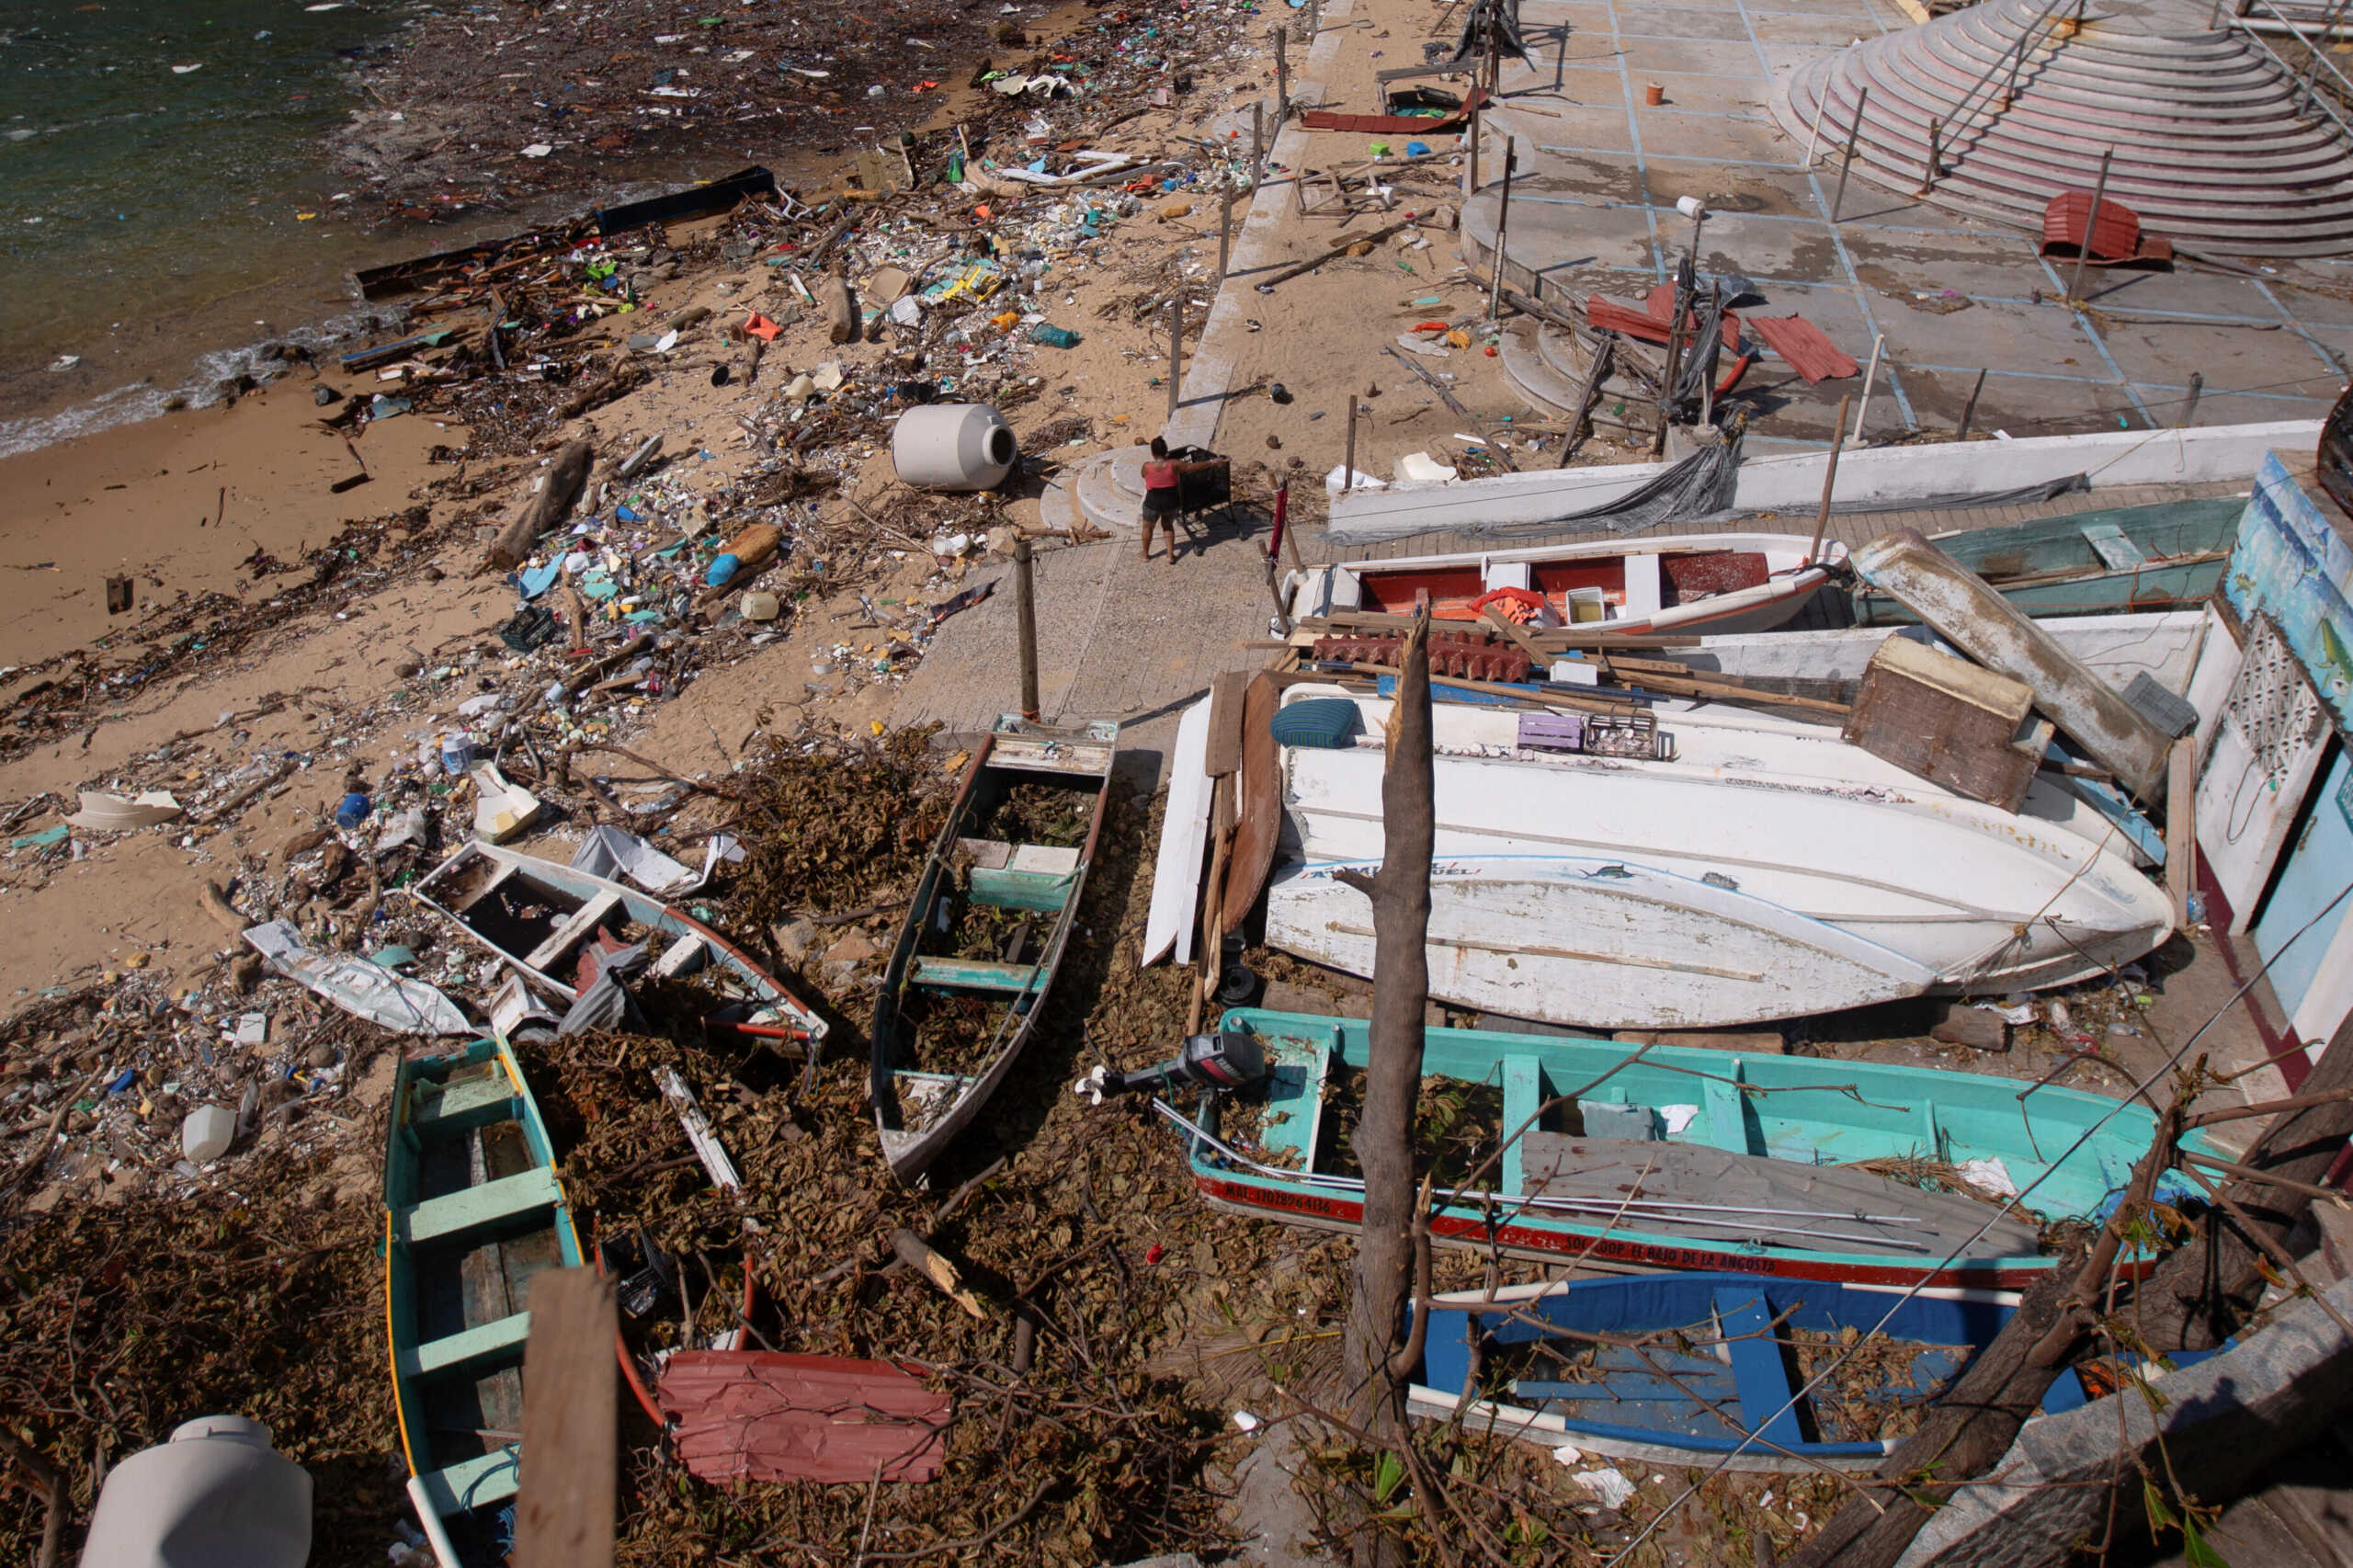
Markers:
point(2288, 563)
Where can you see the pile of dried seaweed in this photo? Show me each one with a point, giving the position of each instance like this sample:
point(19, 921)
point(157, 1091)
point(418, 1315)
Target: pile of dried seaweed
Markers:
point(119, 1320)
point(836, 826)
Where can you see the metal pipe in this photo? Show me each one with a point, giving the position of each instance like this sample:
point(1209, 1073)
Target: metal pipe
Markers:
point(1837, 202)
point(1829, 483)
point(1503, 230)
point(1879, 343)
point(2091, 221)
point(1969, 409)
point(1175, 345)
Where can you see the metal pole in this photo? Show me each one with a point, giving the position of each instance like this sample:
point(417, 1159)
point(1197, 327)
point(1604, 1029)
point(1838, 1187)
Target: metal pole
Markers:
point(1314, 18)
point(2189, 407)
point(1853, 132)
point(1282, 81)
point(1673, 374)
point(2091, 221)
point(1503, 230)
point(1224, 231)
point(1936, 147)
point(1969, 409)
point(1025, 611)
point(1814, 135)
point(1561, 61)
point(1879, 341)
point(1472, 188)
point(1829, 481)
point(1708, 381)
point(1348, 473)
point(1175, 347)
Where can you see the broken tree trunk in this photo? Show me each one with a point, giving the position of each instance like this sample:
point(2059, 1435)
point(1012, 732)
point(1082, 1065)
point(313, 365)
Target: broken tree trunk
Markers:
point(1401, 917)
point(566, 478)
point(2201, 1293)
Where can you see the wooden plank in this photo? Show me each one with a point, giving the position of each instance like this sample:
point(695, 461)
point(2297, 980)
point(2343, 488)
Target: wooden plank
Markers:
point(493, 1200)
point(563, 1514)
point(973, 974)
point(1226, 689)
point(2181, 827)
point(455, 1350)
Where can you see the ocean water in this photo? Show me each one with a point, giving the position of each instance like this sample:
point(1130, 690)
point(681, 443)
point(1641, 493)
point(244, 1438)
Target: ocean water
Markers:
point(152, 217)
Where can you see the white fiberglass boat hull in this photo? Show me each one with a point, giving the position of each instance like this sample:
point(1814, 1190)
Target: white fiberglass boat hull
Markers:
point(1771, 871)
point(1184, 834)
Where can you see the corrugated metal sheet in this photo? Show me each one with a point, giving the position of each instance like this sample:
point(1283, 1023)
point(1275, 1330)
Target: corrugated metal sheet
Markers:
point(1394, 124)
point(1803, 345)
point(761, 1415)
point(2115, 238)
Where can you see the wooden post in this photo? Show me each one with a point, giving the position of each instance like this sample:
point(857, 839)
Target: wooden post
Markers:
point(1707, 379)
point(1348, 473)
point(1596, 369)
point(1561, 60)
point(2181, 827)
point(1315, 19)
point(564, 1511)
point(2091, 221)
point(1854, 132)
point(2189, 405)
point(1673, 374)
point(1879, 343)
point(1175, 345)
point(1969, 409)
point(1224, 232)
point(1258, 142)
point(1472, 174)
point(1829, 483)
point(1024, 612)
point(1502, 232)
point(1936, 142)
point(1282, 80)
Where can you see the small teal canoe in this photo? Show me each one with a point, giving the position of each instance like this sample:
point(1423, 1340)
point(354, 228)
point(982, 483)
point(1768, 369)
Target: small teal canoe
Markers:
point(472, 1210)
point(2165, 556)
point(1646, 1157)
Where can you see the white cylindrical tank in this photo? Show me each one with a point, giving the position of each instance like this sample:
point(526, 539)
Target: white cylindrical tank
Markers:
point(217, 1496)
point(953, 445)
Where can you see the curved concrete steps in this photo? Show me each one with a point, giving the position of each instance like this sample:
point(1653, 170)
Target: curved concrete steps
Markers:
point(2215, 146)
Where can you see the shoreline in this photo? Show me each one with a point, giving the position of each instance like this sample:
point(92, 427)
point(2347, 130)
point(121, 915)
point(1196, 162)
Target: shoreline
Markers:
point(191, 355)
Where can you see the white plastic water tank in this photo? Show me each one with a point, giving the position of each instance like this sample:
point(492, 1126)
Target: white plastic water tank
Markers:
point(217, 1496)
point(953, 445)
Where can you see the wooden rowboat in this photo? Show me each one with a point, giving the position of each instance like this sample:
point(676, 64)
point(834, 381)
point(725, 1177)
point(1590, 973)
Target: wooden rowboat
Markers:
point(1700, 583)
point(1564, 1365)
point(2165, 556)
point(985, 931)
point(1670, 1157)
point(472, 1210)
point(540, 919)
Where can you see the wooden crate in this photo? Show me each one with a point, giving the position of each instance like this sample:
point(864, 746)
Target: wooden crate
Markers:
point(1949, 722)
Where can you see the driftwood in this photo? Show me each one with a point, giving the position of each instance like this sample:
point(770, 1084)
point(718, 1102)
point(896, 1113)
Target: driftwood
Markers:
point(1400, 916)
point(45, 1481)
point(943, 1275)
point(566, 479)
point(619, 381)
point(1348, 242)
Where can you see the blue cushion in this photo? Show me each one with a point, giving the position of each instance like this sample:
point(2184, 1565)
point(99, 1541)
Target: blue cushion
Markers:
point(1325, 721)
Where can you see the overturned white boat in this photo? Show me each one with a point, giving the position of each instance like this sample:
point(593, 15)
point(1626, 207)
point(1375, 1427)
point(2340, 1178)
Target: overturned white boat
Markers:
point(1768, 870)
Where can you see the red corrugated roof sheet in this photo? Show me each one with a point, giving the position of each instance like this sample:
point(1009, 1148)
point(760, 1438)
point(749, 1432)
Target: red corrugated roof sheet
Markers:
point(1393, 124)
point(761, 1415)
point(2116, 239)
point(1801, 342)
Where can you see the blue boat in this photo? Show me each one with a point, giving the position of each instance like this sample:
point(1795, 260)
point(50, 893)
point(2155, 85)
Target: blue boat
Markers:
point(1685, 1369)
point(472, 1210)
point(1616, 1155)
point(2165, 556)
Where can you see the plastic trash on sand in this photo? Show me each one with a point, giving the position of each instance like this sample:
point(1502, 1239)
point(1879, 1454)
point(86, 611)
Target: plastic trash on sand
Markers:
point(1609, 1488)
point(1339, 475)
point(501, 810)
point(357, 986)
point(612, 853)
point(1420, 468)
point(115, 814)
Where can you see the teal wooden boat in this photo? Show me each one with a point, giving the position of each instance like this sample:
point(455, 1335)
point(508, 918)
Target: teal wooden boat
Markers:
point(1666, 1157)
point(472, 1210)
point(2166, 556)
